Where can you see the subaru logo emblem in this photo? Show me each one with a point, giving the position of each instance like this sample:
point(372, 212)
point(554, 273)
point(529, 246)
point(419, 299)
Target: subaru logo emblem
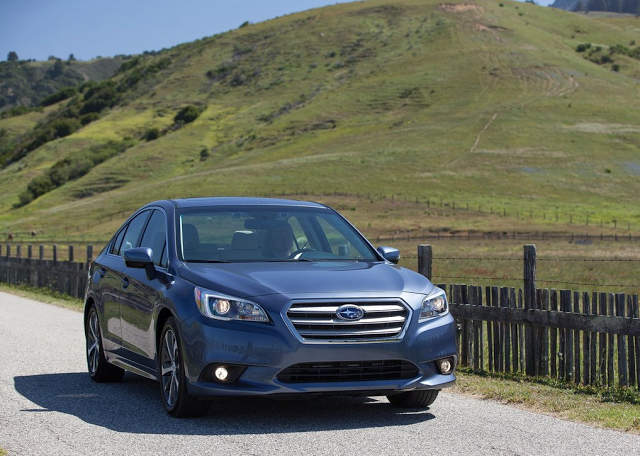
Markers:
point(350, 312)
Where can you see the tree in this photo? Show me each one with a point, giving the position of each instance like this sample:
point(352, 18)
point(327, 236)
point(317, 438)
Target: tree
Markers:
point(57, 69)
point(12, 57)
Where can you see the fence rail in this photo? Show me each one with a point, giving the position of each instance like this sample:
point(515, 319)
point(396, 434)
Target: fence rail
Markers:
point(67, 277)
point(60, 269)
point(53, 251)
point(586, 338)
point(591, 338)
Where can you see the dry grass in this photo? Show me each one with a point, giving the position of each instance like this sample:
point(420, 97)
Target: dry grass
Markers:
point(563, 403)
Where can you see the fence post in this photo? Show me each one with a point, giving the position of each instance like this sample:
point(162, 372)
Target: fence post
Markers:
point(529, 303)
point(425, 260)
point(89, 253)
point(529, 275)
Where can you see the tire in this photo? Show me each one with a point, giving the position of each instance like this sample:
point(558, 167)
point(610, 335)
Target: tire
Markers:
point(97, 366)
point(422, 398)
point(173, 384)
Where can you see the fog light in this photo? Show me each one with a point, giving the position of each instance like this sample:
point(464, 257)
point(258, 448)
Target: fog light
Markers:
point(445, 366)
point(222, 306)
point(221, 373)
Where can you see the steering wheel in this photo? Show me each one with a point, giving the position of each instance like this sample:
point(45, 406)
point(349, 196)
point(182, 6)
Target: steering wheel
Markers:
point(298, 253)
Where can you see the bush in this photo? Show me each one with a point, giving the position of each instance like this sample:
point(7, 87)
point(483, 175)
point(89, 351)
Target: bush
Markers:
point(70, 168)
point(151, 134)
point(88, 118)
point(64, 127)
point(583, 47)
point(99, 97)
point(187, 114)
point(60, 95)
point(222, 71)
point(13, 112)
point(204, 154)
point(129, 64)
point(23, 199)
point(620, 49)
point(40, 185)
point(606, 59)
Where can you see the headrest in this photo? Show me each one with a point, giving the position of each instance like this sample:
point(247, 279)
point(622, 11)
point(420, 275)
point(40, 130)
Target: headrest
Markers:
point(190, 237)
point(244, 240)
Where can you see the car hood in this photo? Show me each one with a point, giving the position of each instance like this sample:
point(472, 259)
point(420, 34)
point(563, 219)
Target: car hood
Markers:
point(246, 280)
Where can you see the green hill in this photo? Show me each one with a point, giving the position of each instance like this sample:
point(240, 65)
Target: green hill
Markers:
point(26, 83)
point(487, 104)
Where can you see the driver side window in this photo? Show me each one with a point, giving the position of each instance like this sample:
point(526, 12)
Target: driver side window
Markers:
point(155, 237)
point(132, 233)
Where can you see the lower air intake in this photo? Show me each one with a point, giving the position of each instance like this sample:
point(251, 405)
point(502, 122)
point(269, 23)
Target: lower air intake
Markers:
point(348, 371)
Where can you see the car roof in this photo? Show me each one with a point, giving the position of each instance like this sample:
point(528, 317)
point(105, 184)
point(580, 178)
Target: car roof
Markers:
point(236, 201)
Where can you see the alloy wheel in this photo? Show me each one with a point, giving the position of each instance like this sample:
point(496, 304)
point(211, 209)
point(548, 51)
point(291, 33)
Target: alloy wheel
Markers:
point(170, 365)
point(93, 343)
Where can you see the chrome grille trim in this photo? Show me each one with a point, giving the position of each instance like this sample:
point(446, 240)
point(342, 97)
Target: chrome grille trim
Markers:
point(317, 322)
point(334, 321)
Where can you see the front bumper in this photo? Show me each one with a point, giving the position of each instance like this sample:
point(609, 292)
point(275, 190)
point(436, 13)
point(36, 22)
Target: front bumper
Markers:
point(262, 351)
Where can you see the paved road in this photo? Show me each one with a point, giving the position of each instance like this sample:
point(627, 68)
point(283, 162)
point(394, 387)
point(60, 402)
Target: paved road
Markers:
point(49, 406)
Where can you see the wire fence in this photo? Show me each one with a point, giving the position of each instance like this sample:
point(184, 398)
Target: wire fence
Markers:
point(625, 230)
point(550, 271)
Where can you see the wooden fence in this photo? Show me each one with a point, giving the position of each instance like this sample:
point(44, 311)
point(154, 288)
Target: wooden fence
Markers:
point(591, 338)
point(47, 270)
point(588, 338)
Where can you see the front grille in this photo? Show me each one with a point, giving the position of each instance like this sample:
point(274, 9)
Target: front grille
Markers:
point(348, 371)
point(318, 321)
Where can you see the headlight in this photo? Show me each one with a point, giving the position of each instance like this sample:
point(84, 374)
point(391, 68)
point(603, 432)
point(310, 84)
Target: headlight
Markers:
point(222, 307)
point(434, 305)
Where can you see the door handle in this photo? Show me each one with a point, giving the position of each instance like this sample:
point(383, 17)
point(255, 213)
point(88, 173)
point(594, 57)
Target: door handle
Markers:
point(125, 282)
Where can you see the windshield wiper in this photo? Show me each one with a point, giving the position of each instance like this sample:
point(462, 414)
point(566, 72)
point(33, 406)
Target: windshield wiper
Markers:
point(288, 260)
point(207, 261)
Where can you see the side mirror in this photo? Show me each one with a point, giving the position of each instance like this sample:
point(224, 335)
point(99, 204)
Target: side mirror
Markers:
point(389, 254)
point(141, 258)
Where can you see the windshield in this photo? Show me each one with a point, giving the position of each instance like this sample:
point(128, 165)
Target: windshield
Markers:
point(231, 234)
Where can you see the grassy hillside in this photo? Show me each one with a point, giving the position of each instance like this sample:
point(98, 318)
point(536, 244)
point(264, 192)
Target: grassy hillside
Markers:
point(26, 83)
point(484, 103)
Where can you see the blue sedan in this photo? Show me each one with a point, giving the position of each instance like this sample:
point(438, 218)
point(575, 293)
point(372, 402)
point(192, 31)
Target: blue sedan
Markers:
point(255, 296)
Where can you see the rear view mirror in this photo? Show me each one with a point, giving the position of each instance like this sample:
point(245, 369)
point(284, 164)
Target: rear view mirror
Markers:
point(263, 224)
point(140, 258)
point(390, 254)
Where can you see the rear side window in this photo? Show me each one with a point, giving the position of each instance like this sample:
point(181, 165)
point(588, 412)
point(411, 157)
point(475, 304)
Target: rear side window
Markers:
point(131, 234)
point(115, 248)
point(155, 237)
